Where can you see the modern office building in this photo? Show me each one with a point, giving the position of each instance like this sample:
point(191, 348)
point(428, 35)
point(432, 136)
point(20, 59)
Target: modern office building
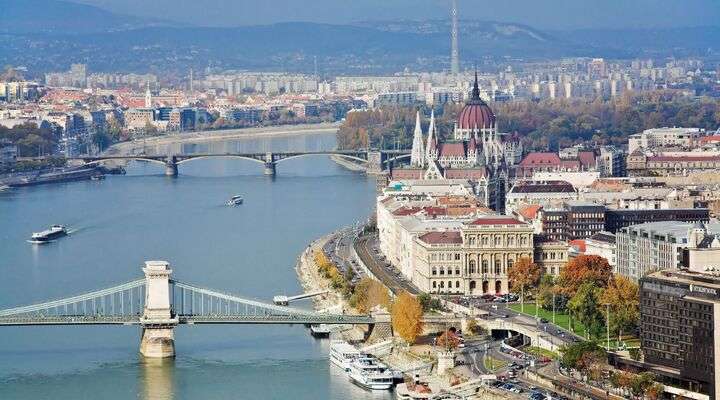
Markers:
point(653, 246)
point(680, 328)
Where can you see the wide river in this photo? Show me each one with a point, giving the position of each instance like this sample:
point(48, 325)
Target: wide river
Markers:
point(249, 250)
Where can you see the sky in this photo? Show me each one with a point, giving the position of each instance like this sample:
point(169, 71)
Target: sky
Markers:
point(544, 14)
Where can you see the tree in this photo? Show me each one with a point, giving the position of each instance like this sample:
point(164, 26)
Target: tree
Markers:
point(546, 292)
point(585, 307)
point(523, 275)
point(622, 295)
point(428, 302)
point(448, 340)
point(584, 269)
point(369, 293)
point(571, 354)
point(407, 317)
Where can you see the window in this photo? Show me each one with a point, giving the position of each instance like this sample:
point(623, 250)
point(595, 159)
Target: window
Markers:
point(434, 285)
point(457, 271)
point(498, 241)
point(510, 263)
point(434, 270)
point(497, 267)
point(484, 240)
point(471, 240)
point(457, 256)
point(457, 284)
point(472, 266)
point(485, 266)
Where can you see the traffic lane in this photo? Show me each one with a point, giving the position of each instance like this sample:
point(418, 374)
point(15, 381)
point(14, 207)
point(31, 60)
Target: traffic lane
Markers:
point(371, 260)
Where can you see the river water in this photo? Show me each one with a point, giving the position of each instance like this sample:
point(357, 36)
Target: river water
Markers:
point(249, 251)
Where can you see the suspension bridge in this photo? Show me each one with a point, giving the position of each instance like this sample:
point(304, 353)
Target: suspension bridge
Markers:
point(157, 303)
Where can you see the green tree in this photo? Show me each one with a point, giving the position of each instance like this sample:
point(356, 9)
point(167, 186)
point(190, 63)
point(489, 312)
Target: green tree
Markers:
point(585, 307)
point(572, 353)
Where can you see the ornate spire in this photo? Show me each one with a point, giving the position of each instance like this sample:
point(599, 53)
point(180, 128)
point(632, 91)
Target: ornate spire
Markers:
point(431, 137)
point(475, 95)
point(417, 156)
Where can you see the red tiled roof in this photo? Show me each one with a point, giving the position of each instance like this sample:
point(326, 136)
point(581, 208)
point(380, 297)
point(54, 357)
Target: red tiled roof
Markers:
point(450, 237)
point(530, 211)
point(451, 150)
point(497, 221)
point(406, 211)
point(406, 173)
point(586, 158)
point(540, 159)
point(470, 173)
point(579, 244)
point(708, 139)
point(435, 210)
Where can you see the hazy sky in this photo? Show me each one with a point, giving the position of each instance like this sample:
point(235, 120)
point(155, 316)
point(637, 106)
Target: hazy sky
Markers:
point(547, 14)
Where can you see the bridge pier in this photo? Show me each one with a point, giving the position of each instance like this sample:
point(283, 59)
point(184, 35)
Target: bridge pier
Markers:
point(270, 164)
point(158, 339)
point(171, 167)
point(375, 161)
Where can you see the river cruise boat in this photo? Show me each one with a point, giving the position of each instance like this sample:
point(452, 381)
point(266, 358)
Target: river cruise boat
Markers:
point(342, 354)
point(368, 373)
point(55, 231)
point(235, 201)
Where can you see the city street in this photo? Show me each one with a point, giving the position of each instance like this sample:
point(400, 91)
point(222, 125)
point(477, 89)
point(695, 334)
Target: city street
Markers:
point(369, 252)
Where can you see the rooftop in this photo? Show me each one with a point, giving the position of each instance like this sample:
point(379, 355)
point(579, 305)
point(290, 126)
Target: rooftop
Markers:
point(449, 237)
point(497, 221)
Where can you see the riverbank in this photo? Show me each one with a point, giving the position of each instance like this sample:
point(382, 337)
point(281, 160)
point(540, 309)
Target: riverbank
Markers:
point(139, 145)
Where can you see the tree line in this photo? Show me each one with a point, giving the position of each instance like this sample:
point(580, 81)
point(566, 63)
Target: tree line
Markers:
point(545, 124)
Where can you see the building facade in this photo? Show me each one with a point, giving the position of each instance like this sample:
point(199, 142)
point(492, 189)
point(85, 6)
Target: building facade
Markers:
point(680, 328)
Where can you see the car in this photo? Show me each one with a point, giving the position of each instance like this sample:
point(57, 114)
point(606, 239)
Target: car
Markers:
point(504, 316)
point(544, 320)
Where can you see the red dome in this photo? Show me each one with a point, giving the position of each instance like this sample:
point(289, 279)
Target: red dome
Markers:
point(476, 113)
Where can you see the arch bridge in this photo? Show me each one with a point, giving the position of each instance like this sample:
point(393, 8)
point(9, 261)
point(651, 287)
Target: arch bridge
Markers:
point(157, 303)
point(375, 161)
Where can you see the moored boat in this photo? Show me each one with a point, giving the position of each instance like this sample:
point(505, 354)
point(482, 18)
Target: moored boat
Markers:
point(320, 330)
point(368, 373)
point(342, 354)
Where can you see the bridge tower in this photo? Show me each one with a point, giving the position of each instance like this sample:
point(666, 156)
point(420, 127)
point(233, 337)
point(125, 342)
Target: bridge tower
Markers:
point(171, 167)
point(158, 340)
point(269, 164)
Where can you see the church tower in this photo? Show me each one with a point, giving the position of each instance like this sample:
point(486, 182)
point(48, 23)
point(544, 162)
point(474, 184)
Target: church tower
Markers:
point(417, 157)
point(148, 96)
point(432, 141)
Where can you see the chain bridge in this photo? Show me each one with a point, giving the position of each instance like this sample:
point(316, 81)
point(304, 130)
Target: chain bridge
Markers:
point(158, 304)
point(376, 161)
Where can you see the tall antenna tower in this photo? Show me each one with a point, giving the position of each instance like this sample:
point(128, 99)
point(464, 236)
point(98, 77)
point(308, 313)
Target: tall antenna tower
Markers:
point(455, 52)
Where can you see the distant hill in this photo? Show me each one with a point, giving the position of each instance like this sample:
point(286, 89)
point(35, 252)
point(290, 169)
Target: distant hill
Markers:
point(64, 17)
point(50, 34)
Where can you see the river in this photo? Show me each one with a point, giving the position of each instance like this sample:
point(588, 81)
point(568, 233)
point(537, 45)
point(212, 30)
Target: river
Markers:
point(124, 220)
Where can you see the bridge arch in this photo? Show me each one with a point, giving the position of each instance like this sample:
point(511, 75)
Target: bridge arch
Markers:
point(348, 156)
point(139, 158)
point(186, 159)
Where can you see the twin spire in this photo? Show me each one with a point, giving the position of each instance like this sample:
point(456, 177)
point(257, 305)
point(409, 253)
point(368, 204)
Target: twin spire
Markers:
point(420, 153)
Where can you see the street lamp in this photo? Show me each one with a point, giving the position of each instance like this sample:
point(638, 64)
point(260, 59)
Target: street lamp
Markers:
point(607, 305)
point(553, 305)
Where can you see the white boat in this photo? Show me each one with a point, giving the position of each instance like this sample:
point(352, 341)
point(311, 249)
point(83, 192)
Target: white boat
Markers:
point(342, 354)
point(320, 330)
point(367, 372)
point(235, 201)
point(48, 235)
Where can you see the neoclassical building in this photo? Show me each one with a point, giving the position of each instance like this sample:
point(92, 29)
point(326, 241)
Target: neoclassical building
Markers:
point(473, 260)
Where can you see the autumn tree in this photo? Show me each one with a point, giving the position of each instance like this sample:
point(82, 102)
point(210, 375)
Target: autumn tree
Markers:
point(584, 269)
point(407, 317)
point(369, 293)
point(523, 275)
point(448, 340)
point(622, 294)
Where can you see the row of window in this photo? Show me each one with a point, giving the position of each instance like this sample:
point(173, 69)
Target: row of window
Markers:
point(497, 240)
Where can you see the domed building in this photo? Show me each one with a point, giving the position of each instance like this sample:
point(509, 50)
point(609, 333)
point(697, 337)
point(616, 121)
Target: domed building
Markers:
point(476, 152)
